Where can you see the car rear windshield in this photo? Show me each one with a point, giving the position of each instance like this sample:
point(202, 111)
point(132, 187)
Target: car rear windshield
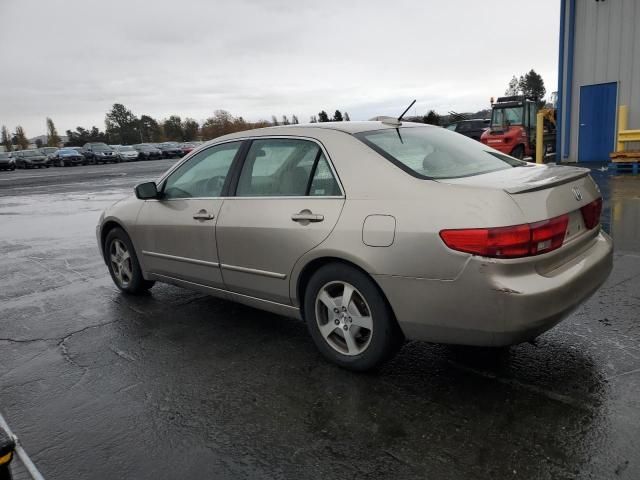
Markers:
point(433, 152)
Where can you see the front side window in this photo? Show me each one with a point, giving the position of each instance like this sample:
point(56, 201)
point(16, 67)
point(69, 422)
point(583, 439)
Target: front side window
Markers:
point(506, 116)
point(432, 152)
point(203, 175)
point(285, 167)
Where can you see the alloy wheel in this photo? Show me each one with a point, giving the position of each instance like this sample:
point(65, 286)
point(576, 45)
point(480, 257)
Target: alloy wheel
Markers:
point(344, 318)
point(121, 262)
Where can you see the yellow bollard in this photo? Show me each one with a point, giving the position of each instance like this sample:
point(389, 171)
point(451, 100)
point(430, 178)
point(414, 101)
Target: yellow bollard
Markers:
point(539, 137)
point(623, 117)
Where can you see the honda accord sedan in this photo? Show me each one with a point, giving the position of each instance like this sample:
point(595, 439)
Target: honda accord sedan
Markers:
point(371, 232)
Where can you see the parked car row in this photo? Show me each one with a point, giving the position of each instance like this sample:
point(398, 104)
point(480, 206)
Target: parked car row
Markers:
point(92, 154)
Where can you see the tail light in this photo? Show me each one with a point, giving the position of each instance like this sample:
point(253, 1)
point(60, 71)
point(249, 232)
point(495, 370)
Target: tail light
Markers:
point(509, 242)
point(591, 213)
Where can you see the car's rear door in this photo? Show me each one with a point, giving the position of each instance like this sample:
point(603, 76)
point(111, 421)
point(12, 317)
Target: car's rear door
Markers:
point(287, 200)
point(176, 234)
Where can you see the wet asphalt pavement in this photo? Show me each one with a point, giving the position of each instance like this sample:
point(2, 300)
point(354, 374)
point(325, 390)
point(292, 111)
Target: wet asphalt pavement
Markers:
point(180, 385)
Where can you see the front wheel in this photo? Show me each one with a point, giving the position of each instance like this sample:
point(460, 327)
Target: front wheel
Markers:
point(348, 318)
point(123, 263)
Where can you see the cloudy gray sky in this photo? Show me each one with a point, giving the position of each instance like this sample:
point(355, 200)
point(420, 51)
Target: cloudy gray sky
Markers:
point(72, 59)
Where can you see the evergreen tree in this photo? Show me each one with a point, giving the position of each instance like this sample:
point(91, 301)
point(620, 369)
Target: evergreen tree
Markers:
point(532, 85)
point(323, 117)
point(346, 117)
point(337, 117)
point(432, 118)
point(294, 120)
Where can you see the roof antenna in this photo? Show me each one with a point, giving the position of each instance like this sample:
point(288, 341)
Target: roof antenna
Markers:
point(403, 113)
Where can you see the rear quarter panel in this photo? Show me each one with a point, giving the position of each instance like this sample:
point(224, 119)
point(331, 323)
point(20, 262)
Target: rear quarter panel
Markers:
point(421, 208)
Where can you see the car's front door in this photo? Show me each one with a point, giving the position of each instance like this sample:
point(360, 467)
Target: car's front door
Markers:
point(286, 202)
point(176, 233)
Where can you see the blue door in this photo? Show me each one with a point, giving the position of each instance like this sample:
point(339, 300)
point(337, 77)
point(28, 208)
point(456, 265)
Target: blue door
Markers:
point(597, 122)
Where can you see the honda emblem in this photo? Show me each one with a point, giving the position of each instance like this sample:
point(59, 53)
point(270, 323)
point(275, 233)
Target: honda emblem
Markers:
point(577, 193)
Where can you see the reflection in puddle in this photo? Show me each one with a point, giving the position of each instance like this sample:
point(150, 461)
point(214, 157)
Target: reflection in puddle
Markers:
point(621, 212)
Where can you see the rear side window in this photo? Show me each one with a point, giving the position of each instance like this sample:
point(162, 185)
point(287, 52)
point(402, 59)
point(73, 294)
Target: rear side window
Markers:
point(283, 167)
point(433, 152)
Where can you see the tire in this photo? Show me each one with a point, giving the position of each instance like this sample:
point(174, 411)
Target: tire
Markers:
point(377, 337)
point(123, 263)
point(518, 152)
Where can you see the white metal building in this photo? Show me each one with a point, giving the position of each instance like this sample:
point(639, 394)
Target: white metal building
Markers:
point(598, 70)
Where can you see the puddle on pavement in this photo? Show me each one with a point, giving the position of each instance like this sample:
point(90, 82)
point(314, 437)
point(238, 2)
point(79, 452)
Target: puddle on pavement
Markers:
point(621, 210)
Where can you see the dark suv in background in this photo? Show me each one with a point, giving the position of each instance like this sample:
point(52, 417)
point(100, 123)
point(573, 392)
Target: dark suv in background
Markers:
point(471, 128)
point(99, 153)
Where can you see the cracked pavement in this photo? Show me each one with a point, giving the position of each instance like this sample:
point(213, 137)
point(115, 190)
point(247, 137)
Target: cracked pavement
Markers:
point(176, 384)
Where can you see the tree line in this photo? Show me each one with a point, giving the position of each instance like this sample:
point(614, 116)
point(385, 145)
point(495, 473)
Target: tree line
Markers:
point(123, 127)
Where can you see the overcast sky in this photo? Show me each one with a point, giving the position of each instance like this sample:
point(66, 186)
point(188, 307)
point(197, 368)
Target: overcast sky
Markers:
point(72, 59)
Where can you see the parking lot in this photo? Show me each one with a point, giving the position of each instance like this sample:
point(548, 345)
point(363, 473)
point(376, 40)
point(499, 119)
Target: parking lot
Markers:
point(180, 385)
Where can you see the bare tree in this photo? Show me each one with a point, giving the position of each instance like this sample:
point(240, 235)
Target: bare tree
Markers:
point(21, 138)
point(53, 139)
point(5, 139)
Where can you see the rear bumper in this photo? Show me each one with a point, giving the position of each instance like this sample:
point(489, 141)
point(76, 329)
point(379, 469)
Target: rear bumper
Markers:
point(496, 303)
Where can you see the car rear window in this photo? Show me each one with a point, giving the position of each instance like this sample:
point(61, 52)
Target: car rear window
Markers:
point(433, 152)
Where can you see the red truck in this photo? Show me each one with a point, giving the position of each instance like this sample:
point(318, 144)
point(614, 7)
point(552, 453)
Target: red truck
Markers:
point(513, 127)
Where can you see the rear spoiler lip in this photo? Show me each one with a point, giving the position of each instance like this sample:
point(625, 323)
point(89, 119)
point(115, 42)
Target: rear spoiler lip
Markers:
point(533, 187)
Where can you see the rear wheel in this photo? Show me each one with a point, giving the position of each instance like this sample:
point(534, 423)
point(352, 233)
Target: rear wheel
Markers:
point(518, 152)
point(123, 263)
point(349, 319)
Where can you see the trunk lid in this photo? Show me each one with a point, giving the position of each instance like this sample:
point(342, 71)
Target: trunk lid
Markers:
point(542, 192)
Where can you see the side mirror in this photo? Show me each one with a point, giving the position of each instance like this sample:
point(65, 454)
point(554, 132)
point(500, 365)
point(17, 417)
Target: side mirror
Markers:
point(146, 191)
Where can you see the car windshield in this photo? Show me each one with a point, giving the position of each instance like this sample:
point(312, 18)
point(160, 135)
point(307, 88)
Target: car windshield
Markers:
point(68, 150)
point(31, 153)
point(510, 115)
point(433, 152)
point(125, 149)
point(101, 148)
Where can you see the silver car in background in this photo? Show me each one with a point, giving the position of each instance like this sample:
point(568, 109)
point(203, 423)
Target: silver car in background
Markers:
point(372, 232)
point(126, 153)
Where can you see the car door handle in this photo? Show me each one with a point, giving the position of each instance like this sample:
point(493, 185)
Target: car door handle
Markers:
point(307, 216)
point(203, 215)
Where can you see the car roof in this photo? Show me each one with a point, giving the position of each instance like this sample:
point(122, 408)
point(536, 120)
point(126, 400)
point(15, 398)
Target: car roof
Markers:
point(308, 128)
